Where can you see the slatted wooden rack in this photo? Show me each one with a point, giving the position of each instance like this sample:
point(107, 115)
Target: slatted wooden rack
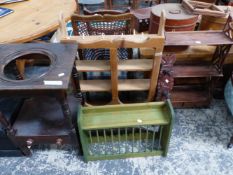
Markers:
point(120, 131)
point(114, 65)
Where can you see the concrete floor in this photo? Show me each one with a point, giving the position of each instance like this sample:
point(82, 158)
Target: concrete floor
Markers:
point(198, 146)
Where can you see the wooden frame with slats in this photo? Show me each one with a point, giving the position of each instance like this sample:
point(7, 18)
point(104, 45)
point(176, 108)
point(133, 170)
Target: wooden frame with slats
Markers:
point(113, 42)
point(114, 65)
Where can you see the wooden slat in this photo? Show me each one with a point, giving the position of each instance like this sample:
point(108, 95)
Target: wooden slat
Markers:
point(114, 76)
point(123, 65)
point(92, 65)
point(95, 85)
point(196, 38)
point(134, 84)
point(105, 85)
point(135, 65)
point(184, 71)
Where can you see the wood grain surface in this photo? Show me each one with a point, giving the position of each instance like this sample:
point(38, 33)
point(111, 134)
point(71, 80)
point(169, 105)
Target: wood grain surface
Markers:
point(32, 19)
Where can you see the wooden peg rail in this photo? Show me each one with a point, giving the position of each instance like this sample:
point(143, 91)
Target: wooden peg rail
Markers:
point(114, 65)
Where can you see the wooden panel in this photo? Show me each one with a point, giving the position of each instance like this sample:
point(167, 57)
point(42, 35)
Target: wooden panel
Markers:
point(123, 65)
point(183, 71)
point(32, 19)
point(123, 85)
point(189, 97)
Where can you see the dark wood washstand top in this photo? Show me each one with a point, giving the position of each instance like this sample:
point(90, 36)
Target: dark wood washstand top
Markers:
point(61, 57)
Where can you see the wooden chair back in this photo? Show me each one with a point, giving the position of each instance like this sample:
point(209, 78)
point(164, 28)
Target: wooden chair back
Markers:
point(108, 24)
point(102, 22)
point(104, 11)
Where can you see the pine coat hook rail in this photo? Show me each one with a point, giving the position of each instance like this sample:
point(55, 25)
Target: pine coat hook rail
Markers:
point(114, 41)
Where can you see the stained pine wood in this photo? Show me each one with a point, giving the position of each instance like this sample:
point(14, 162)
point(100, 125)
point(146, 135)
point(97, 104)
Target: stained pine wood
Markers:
point(126, 41)
point(113, 42)
point(32, 19)
point(116, 41)
point(114, 76)
point(123, 85)
point(123, 65)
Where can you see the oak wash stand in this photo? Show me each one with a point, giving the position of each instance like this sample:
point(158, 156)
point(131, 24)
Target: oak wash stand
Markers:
point(47, 114)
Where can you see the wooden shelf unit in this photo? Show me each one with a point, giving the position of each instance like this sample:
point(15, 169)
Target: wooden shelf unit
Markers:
point(114, 65)
point(189, 95)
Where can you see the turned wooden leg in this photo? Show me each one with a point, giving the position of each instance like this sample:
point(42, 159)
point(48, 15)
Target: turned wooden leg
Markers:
point(20, 64)
point(230, 144)
point(11, 135)
point(76, 85)
point(62, 98)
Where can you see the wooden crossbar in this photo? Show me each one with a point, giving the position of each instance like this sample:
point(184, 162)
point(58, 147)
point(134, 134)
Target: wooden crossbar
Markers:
point(118, 41)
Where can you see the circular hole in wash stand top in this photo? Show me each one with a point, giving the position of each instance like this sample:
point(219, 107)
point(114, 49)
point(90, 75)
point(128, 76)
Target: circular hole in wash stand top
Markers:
point(27, 66)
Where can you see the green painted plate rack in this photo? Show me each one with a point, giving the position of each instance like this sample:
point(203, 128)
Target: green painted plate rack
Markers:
point(129, 130)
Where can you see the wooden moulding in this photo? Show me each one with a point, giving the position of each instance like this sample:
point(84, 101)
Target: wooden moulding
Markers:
point(202, 8)
point(116, 41)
